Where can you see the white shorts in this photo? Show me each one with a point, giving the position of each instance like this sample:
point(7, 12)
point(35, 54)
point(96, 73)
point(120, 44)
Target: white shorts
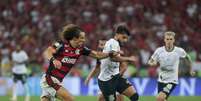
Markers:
point(48, 91)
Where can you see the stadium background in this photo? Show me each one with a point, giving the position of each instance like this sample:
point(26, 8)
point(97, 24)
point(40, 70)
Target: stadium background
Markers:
point(35, 24)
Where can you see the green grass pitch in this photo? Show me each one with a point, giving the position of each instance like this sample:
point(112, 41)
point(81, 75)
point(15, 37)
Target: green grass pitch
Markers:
point(94, 98)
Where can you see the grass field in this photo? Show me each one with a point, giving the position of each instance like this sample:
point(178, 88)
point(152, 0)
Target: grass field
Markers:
point(94, 98)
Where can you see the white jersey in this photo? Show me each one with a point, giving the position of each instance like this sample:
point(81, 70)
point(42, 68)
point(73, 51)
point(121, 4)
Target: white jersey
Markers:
point(169, 63)
point(19, 58)
point(108, 67)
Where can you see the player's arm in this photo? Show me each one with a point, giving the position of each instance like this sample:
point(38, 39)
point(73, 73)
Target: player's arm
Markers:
point(123, 58)
point(11, 58)
point(123, 67)
point(20, 62)
point(189, 61)
point(48, 54)
point(101, 55)
point(94, 71)
point(154, 58)
point(97, 54)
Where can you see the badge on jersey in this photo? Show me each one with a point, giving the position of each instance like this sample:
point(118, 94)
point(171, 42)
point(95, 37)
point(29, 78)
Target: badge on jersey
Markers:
point(77, 51)
point(113, 47)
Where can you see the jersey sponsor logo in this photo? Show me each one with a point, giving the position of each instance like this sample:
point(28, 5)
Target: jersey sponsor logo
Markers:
point(66, 50)
point(68, 60)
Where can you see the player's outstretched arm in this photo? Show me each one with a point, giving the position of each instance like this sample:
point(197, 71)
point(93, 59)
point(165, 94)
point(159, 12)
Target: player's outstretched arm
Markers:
point(123, 58)
point(94, 71)
point(101, 55)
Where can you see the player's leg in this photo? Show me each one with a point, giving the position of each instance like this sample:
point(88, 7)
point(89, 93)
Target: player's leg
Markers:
point(125, 88)
point(14, 88)
point(64, 95)
point(45, 98)
point(131, 93)
point(48, 92)
point(120, 97)
point(23, 79)
point(14, 92)
point(101, 97)
point(61, 92)
point(108, 89)
point(164, 90)
point(161, 97)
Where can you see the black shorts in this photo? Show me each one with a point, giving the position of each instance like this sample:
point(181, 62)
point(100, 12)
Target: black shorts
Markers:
point(110, 87)
point(166, 88)
point(19, 77)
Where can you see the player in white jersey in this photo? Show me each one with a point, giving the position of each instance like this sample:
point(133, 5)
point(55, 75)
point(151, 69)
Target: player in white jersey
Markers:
point(109, 79)
point(19, 59)
point(96, 70)
point(168, 57)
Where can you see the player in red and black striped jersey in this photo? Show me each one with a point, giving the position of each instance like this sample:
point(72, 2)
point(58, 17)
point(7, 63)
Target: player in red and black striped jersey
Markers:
point(68, 56)
point(63, 55)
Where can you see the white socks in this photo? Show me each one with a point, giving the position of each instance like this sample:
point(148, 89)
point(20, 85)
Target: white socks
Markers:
point(14, 93)
point(14, 96)
point(26, 87)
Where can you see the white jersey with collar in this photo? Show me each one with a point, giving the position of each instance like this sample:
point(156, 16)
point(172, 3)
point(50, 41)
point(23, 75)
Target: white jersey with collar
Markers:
point(109, 67)
point(169, 63)
point(19, 59)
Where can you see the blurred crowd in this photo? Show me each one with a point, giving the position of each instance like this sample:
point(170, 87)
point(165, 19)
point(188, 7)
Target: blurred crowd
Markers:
point(35, 24)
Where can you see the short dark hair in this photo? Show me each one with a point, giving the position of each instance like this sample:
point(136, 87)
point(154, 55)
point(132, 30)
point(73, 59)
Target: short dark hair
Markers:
point(70, 31)
point(121, 29)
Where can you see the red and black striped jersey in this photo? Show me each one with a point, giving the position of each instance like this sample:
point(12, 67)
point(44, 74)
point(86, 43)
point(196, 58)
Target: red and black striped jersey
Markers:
point(68, 57)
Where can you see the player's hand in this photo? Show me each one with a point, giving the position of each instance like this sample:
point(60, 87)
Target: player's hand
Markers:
point(113, 53)
point(57, 63)
point(192, 73)
point(121, 52)
point(133, 59)
point(152, 62)
point(86, 82)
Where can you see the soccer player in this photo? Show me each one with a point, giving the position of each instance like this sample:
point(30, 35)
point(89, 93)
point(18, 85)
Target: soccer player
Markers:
point(96, 70)
point(62, 56)
point(19, 60)
point(109, 80)
point(168, 57)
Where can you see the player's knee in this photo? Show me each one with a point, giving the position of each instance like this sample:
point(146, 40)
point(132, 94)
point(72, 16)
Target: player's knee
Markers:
point(68, 98)
point(101, 98)
point(45, 98)
point(134, 97)
point(160, 98)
